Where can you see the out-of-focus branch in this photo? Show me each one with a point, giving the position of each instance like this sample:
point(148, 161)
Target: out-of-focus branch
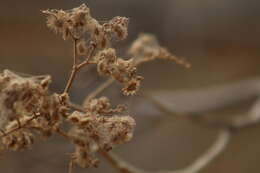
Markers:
point(99, 89)
point(229, 94)
point(110, 81)
point(201, 100)
point(118, 163)
point(251, 118)
point(216, 149)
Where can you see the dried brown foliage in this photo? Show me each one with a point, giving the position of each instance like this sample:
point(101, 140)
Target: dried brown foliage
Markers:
point(29, 109)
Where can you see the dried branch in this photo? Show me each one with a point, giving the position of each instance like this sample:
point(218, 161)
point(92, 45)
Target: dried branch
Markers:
point(241, 91)
point(119, 164)
point(74, 68)
point(250, 119)
point(20, 126)
point(76, 107)
point(210, 99)
point(71, 166)
point(216, 149)
point(137, 63)
point(99, 89)
point(91, 130)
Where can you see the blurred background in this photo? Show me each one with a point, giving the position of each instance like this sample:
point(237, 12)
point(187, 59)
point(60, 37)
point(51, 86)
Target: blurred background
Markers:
point(220, 38)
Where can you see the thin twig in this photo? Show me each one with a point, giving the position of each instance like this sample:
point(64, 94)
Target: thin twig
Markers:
point(62, 133)
point(119, 164)
point(203, 100)
point(104, 85)
point(98, 90)
point(216, 149)
point(74, 68)
point(76, 107)
point(221, 142)
point(20, 126)
point(71, 166)
point(251, 118)
point(161, 106)
point(88, 58)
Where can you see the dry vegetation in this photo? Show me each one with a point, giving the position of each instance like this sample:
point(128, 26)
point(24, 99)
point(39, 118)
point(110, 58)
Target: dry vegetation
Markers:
point(30, 110)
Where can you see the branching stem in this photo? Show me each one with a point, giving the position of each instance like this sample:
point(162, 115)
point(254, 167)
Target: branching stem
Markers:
point(75, 67)
point(20, 126)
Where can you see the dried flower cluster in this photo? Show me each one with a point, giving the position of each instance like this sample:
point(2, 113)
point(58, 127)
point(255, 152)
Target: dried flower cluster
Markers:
point(100, 128)
point(28, 108)
point(93, 133)
point(146, 48)
point(22, 98)
point(77, 22)
point(123, 71)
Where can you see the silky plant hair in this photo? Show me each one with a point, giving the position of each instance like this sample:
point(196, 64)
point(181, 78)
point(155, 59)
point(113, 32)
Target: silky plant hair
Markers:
point(29, 110)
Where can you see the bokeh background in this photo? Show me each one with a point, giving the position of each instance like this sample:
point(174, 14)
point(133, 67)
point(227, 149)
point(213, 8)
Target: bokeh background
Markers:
point(220, 38)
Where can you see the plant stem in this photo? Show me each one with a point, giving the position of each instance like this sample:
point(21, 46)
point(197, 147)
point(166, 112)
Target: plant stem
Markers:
point(74, 68)
point(98, 90)
point(20, 126)
point(119, 164)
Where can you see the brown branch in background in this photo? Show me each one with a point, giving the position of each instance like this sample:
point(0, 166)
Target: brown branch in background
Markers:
point(201, 162)
point(210, 98)
point(216, 149)
point(161, 107)
point(99, 89)
point(252, 118)
point(120, 164)
point(239, 123)
point(71, 166)
point(110, 81)
point(76, 107)
point(177, 60)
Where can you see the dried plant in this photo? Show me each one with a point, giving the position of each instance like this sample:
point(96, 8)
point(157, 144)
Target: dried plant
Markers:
point(29, 109)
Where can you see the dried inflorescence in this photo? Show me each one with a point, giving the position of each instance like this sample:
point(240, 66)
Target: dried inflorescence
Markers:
point(18, 140)
point(147, 48)
point(21, 99)
point(98, 129)
point(28, 108)
point(122, 70)
point(78, 21)
point(71, 23)
point(23, 96)
point(94, 132)
point(102, 106)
